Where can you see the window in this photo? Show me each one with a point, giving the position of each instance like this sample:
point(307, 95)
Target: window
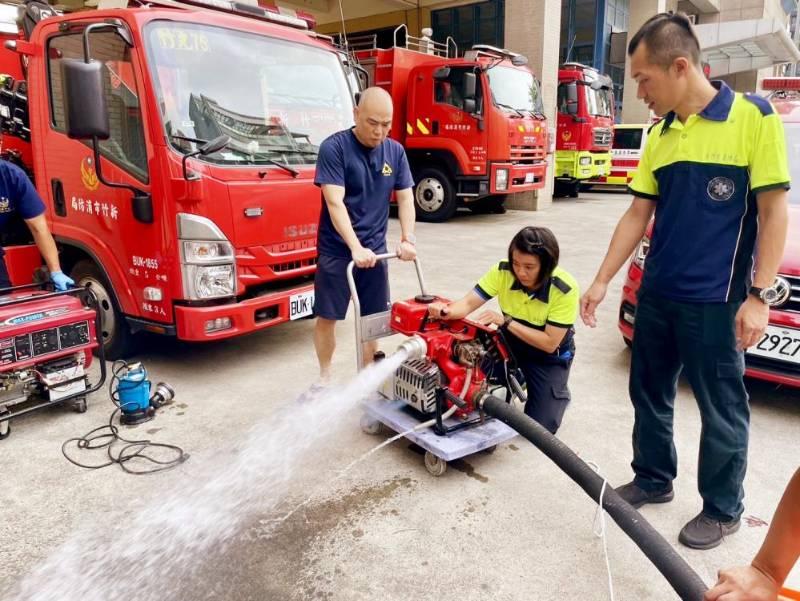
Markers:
point(126, 146)
point(627, 139)
point(449, 91)
point(480, 23)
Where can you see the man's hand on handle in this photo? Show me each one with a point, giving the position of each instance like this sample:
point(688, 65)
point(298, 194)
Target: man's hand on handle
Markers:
point(406, 251)
point(590, 301)
point(61, 281)
point(364, 257)
point(751, 322)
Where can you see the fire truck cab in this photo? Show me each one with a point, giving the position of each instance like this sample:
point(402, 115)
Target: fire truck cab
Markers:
point(472, 127)
point(585, 107)
point(174, 145)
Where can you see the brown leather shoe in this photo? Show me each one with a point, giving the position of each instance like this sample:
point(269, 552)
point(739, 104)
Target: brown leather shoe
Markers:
point(636, 497)
point(704, 532)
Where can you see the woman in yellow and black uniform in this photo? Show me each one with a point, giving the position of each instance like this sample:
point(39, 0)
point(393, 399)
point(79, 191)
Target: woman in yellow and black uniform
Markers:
point(539, 304)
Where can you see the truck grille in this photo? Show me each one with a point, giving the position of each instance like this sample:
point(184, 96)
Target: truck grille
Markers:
point(793, 304)
point(291, 265)
point(602, 136)
point(527, 154)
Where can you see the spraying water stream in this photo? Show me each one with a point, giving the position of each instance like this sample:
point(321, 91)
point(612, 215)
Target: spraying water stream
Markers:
point(146, 559)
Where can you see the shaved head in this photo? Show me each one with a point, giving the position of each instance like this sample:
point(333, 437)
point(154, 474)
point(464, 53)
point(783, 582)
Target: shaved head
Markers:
point(373, 117)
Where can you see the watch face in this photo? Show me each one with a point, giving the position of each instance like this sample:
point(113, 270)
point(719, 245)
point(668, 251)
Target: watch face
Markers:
point(769, 295)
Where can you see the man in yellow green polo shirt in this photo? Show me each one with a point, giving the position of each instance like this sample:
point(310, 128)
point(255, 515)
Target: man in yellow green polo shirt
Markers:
point(714, 172)
point(539, 305)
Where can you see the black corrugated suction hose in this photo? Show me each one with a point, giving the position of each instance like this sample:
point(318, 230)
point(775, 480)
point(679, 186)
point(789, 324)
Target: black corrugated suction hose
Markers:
point(678, 573)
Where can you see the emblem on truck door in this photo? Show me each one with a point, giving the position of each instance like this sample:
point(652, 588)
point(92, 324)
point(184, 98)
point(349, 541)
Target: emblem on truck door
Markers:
point(88, 175)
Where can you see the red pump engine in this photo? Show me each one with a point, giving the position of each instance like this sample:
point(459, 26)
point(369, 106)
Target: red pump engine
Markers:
point(452, 370)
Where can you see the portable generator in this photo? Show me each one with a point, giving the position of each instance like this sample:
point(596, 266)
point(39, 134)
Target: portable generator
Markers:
point(46, 344)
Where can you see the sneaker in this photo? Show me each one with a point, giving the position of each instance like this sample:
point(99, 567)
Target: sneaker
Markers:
point(636, 497)
point(315, 391)
point(703, 532)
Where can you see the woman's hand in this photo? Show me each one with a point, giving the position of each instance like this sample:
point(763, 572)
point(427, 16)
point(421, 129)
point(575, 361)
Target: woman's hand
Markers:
point(489, 317)
point(438, 310)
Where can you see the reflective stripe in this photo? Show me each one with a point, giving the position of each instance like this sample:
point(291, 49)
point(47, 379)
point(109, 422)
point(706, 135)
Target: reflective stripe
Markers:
point(421, 127)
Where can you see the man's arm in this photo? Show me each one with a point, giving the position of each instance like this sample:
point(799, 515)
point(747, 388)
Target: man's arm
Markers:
point(406, 213)
point(773, 220)
point(334, 199)
point(628, 233)
point(44, 241)
point(763, 578)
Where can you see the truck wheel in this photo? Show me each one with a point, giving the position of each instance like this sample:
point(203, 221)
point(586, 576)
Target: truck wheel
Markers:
point(117, 337)
point(574, 189)
point(434, 196)
point(5, 426)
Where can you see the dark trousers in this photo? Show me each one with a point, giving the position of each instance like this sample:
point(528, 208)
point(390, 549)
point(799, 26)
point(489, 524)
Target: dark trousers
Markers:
point(546, 383)
point(700, 339)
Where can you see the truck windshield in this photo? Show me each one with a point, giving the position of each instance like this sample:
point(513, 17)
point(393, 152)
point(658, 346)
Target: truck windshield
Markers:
point(598, 102)
point(515, 88)
point(793, 154)
point(276, 100)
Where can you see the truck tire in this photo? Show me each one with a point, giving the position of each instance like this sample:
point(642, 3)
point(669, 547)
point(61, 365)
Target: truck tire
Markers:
point(434, 196)
point(116, 335)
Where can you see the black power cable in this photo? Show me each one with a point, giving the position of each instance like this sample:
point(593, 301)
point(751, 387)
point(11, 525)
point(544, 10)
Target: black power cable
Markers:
point(105, 437)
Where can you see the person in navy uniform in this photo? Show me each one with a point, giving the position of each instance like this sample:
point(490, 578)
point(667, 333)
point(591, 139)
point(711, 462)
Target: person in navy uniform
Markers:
point(357, 170)
point(18, 198)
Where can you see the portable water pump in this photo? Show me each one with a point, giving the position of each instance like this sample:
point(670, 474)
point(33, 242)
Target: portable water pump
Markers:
point(131, 392)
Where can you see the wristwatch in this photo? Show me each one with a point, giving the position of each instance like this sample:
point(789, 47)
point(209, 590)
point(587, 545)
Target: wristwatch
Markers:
point(768, 296)
point(410, 238)
point(507, 322)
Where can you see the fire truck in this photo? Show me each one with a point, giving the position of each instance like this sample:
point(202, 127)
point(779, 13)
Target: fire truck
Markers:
point(584, 130)
point(174, 145)
point(472, 127)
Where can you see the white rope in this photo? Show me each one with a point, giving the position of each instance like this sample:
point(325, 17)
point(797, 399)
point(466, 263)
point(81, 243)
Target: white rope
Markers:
point(599, 527)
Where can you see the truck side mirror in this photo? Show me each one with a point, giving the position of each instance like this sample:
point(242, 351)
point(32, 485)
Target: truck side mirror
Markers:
point(85, 111)
point(470, 86)
point(572, 98)
point(470, 106)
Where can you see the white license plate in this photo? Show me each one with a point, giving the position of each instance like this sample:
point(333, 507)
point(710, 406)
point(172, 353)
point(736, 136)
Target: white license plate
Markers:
point(778, 343)
point(301, 305)
point(529, 178)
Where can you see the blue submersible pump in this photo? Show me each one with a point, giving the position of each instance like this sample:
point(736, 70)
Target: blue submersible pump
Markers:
point(131, 391)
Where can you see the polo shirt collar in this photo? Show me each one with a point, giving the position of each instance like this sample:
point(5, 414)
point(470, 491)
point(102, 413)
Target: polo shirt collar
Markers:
point(542, 293)
point(717, 110)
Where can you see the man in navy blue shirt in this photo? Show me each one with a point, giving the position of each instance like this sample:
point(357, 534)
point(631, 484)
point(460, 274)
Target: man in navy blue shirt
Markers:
point(19, 198)
point(357, 170)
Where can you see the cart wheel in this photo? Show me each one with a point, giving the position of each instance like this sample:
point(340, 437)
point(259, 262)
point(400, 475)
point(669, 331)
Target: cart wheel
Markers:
point(436, 466)
point(490, 450)
point(79, 405)
point(5, 426)
point(370, 426)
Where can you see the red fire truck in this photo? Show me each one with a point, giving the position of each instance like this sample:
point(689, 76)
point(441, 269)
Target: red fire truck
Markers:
point(174, 145)
point(472, 127)
point(585, 120)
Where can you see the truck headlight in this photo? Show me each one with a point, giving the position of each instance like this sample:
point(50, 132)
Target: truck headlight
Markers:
point(208, 261)
point(207, 252)
point(209, 281)
point(641, 252)
point(585, 161)
point(501, 179)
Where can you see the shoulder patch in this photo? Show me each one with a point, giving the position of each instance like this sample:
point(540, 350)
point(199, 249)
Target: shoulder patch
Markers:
point(762, 103)
point(504, 266)
point(561, 285)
